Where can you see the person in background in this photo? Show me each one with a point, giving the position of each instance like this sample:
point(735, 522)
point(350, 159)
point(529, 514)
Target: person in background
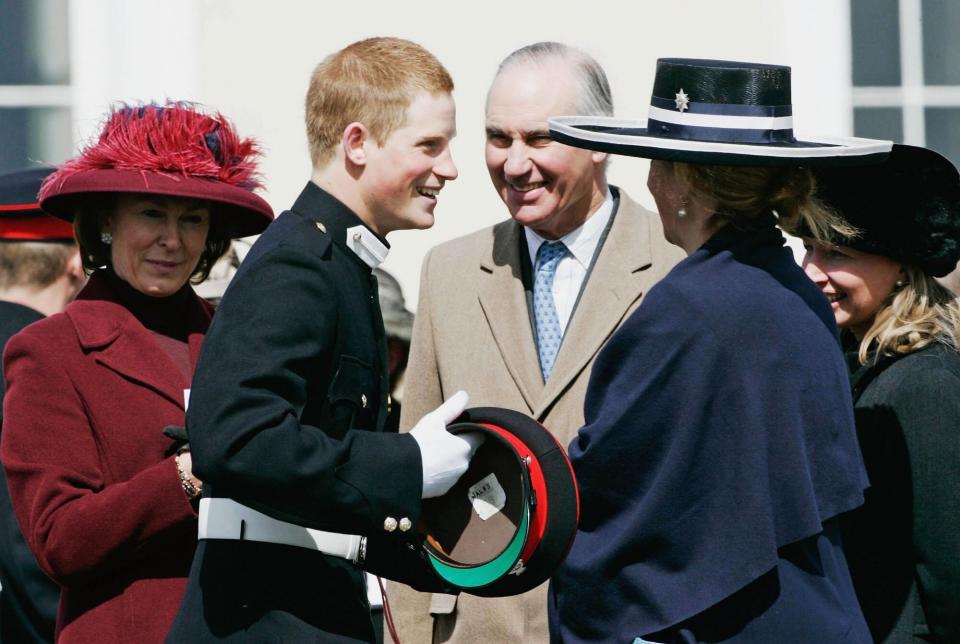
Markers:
point(222, 272)
point(901, 330)
point(106, 502)
point(398, 324)
point(719, 447)
point(40, 272)
point(303, 488)
point(517, 329)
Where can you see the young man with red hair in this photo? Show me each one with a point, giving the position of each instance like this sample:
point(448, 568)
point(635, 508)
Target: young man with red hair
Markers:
point(302, 487)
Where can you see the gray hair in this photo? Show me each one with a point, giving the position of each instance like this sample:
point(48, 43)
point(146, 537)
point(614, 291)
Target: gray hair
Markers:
point(595, 97)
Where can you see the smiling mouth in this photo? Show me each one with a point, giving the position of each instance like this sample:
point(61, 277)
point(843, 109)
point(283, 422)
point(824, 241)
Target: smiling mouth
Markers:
point(835, 297)
point(430, 193)
point(527, 187)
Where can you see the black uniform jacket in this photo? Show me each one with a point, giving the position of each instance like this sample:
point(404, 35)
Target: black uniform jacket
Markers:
point(28, 601)
point(903, 545)
point(288, 399)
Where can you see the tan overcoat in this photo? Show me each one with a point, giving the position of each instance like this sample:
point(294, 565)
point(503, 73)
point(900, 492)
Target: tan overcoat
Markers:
point(473, 332)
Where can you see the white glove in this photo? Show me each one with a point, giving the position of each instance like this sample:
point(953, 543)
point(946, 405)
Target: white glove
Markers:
point(445, 456)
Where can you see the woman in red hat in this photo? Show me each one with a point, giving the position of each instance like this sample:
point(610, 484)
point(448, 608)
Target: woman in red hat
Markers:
point(901, 330)
point(106, 500)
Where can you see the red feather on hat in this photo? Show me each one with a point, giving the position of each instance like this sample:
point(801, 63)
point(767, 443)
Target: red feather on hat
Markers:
point(172, 139)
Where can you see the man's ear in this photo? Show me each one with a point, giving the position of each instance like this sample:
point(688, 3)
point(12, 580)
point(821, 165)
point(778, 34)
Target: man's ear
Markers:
point(355, 139)
point(73, 277)
point(75, 266)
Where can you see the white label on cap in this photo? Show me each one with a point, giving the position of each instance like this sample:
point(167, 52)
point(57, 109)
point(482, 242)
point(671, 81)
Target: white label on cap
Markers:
point(487, 496)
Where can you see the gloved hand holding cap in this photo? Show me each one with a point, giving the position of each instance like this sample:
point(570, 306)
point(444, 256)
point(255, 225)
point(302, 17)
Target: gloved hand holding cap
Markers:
point(445, 457)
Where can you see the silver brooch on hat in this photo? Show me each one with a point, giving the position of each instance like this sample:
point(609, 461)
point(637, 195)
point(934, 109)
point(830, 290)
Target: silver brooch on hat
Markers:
point(682, 101)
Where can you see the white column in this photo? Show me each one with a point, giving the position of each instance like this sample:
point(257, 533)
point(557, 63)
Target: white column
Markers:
point(911, 72)
point(817, 40)
point(129, 51)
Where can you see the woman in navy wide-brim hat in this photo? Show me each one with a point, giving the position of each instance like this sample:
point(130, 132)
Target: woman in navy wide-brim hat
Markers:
point(719, 448)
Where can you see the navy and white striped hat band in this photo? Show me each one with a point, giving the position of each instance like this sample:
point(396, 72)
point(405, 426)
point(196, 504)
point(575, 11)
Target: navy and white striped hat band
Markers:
point(720, 122)
point(710, 111)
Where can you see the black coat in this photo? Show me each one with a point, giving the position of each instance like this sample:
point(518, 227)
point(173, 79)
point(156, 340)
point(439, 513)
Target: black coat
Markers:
point(285, 414)
point(903, 545)
point(28, 601)
point(718, 449)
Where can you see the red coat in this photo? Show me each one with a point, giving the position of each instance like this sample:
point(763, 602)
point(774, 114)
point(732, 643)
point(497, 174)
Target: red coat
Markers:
point(88, 394)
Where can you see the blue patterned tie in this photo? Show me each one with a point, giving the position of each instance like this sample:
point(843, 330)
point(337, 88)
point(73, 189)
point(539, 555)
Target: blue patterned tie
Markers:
point(544, 310)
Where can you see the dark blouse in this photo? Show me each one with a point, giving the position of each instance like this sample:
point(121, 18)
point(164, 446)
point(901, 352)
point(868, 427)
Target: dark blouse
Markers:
point(172, 316)
point(168, 318)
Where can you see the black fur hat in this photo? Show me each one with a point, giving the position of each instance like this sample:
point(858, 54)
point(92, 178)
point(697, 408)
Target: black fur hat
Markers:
point(907, 208)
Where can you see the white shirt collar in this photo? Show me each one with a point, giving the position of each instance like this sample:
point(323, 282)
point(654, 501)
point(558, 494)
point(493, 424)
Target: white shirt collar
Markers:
point(366, 246)
point(582, 241)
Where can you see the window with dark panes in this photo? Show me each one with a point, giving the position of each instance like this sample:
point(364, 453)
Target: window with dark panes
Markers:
point(34, 83)
point(906, 72)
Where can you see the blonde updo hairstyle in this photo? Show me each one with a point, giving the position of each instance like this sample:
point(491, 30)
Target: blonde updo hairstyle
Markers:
point(740, 195)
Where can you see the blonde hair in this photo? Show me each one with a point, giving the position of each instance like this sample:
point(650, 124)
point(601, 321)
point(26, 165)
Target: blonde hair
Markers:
point(371, 82)
point(33, 264)
point(742, 194)
point(920, 313)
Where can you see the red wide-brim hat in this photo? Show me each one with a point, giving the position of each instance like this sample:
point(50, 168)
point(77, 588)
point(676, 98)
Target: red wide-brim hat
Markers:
point(173, 150)
point(510, 520)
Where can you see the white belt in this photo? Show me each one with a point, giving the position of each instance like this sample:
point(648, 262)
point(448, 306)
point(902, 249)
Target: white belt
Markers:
point(226, 519)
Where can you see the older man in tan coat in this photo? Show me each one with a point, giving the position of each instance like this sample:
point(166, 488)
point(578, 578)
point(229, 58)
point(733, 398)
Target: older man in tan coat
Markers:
point(515, 318)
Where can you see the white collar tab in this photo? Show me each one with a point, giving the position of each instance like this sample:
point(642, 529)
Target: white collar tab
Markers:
point(366, 246)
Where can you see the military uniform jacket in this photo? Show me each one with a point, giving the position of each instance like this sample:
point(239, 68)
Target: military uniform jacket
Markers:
point(28, 601)
point(286, 402)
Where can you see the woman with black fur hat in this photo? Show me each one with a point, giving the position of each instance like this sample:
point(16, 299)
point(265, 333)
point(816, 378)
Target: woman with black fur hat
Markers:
point(902, 332)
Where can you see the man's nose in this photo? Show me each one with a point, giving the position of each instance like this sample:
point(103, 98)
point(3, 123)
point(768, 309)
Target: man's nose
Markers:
point(518, 160)
point(446, 168)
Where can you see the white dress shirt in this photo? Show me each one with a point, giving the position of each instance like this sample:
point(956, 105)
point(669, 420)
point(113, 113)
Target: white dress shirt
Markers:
point(581, 245)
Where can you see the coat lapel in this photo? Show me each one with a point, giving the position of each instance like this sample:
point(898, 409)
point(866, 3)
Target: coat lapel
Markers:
point(615, 283)
point(119, 342)
point(504, 305)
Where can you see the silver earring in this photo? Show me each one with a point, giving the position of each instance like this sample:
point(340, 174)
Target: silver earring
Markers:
point(106, 238)
point(682, 210)
point(900, 284)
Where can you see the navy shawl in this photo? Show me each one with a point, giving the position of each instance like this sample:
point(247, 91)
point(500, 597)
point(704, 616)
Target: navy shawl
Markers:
point(719, 427)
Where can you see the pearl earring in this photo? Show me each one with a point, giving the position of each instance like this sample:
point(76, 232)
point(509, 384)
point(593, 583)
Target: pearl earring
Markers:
point(682, 210)
point(900, 284)
point(106, 238)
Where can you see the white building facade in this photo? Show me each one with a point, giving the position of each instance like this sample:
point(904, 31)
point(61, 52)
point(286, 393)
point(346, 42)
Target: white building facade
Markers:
point(866, 67)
